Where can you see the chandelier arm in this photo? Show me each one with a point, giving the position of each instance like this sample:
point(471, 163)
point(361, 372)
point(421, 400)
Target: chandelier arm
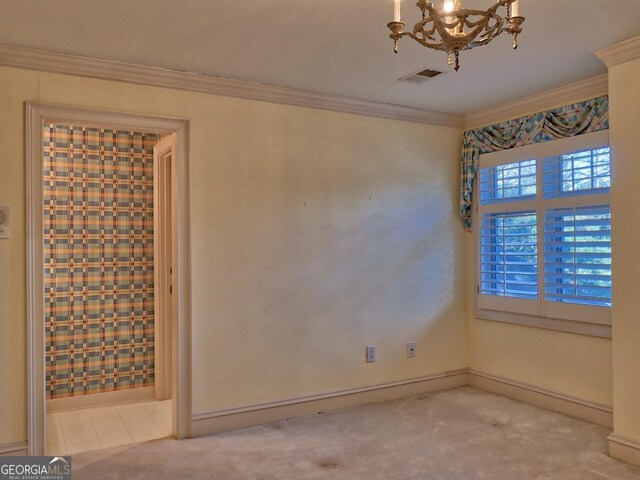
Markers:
point(491, 31)
point(442, 30)
point(485, 20)
point(485, 30)
point(430, 42)
point(469, 12)
point(501, 3)
point(435, 46)
point(479, 43)
point(425, 37)
point(419, 29)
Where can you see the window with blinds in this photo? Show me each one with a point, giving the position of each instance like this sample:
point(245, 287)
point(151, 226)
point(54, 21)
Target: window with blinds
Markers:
point(577, 173)
point(545, 233)
point(506, 182)
point(577, 255)
point(509, 255)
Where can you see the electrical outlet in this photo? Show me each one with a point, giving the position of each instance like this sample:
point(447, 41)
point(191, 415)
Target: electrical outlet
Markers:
point(411, 349)
point(371, 353)
point(5, 224)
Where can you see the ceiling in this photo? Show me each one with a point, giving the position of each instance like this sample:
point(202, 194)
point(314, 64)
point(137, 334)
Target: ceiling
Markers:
point(338, 47)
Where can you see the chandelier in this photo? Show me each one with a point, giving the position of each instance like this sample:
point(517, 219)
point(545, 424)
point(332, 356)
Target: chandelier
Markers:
point(455, 28)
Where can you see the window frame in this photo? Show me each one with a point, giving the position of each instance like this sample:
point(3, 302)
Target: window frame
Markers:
point(575, 318)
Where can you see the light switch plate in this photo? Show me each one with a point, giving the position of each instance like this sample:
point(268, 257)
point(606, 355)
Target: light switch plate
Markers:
point(5, 220)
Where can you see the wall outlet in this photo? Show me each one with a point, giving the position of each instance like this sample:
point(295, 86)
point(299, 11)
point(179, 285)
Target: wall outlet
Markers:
point(5, 223)
point(411, 349)
point(371, 353)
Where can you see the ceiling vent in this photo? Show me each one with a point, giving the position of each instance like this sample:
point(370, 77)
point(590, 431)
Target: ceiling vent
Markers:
point(421, 76)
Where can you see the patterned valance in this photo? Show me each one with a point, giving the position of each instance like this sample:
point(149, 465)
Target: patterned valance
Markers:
point(569, 121)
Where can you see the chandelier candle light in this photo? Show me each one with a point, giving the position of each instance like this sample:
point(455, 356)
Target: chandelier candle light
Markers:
point(456, 28)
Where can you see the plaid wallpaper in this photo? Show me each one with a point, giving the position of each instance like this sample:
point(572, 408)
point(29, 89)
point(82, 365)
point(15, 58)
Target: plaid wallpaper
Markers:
point(98, 256)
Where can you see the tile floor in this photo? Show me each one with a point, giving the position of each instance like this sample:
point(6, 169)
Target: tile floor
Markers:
point(82, 430)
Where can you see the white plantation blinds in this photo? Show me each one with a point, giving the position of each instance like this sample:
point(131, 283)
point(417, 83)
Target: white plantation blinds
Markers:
point(508, 241)
point(577, 173)
point(545, 232)
point(509, 253)
point(508, 181)
point(577, 255)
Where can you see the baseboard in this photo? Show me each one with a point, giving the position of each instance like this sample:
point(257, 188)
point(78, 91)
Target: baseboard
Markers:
point(18, 449)
point(100, 399)
point(625, 449)
point(252, 415)
point(540, 397)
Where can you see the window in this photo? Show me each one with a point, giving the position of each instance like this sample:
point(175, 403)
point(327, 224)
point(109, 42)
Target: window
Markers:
point(544, 232)
point(577, 255)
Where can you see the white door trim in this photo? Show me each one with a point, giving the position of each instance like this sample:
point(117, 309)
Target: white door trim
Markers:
point(164, 233)
point(36, 116)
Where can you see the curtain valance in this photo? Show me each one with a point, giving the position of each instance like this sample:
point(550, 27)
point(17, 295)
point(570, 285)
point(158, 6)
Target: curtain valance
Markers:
point(571, 120)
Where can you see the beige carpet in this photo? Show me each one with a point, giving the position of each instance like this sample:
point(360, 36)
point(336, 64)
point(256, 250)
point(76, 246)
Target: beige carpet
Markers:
point(463, 433)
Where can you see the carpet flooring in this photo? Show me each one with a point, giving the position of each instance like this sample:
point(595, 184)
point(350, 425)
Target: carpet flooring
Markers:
point(458, 434)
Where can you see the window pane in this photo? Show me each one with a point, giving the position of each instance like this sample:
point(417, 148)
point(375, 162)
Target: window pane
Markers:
point(577, 173)
point(511, 181)
point(508, 255)
point(577, 255)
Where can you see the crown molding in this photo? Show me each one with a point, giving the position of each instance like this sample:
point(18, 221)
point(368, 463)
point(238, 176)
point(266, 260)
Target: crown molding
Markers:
point(19, 57)
point(575, 92)
point(620, 52)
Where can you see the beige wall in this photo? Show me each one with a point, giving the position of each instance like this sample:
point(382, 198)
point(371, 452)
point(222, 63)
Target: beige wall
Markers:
point(314, 233)
point(567, 363)
point(624, 85)
point(13, 367)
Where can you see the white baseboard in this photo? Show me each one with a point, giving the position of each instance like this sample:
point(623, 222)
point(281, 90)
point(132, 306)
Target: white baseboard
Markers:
point(540, 397)
point(99, 399)
point(624, 449)
point(231, 419)
point(14, 449)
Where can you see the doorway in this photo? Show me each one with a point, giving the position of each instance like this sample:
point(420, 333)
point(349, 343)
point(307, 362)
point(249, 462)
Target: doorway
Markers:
point(95, 339)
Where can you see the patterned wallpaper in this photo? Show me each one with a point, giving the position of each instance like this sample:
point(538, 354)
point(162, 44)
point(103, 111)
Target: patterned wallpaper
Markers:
point(98, 256)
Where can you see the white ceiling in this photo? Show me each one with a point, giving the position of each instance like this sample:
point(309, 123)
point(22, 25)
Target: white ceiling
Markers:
point(338, 47)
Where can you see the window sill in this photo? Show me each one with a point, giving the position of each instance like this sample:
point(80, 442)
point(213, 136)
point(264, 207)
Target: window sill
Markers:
point(569, 326)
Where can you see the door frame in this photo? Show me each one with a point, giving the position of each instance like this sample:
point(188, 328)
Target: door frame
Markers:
point(164, 252)
point(37, 115)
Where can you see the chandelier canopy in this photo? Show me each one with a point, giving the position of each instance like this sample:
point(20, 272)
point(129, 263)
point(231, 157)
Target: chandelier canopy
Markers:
point(455, 29)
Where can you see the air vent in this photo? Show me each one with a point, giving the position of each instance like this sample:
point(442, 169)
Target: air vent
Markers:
point(421, 76)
